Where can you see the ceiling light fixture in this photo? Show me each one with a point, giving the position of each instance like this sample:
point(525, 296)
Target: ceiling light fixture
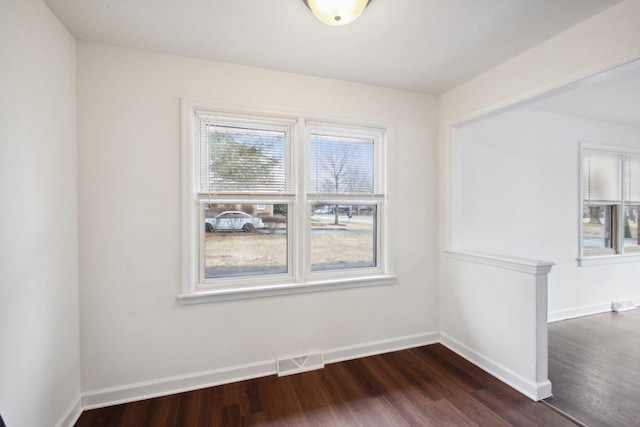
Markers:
point(337, 12)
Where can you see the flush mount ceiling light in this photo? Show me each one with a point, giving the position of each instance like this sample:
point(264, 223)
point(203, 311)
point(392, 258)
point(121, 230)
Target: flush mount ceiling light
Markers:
point(337, 12)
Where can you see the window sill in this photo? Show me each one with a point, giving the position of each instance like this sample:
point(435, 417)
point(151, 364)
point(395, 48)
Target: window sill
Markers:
point(237, 293)
point(608, 259)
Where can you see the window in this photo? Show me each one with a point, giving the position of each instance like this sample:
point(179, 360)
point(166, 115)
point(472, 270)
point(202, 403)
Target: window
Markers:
point(344, 190)
point(240, 243)
point(281, 204)
point(610, 202)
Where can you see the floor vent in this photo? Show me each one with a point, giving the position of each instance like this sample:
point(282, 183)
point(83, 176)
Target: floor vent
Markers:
point(619, 306)
point(295, 365)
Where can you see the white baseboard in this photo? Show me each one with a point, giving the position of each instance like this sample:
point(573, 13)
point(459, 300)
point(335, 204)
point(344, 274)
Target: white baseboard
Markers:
point(72, 414)
point(535, 391)
point(178, 384)
point(166, 386)
point(571, 313)
point(379, 347)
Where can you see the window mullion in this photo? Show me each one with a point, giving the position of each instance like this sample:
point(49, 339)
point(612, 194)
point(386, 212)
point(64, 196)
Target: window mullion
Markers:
point(621, 207)
point(620, 228)
point(301, 261)
point(246, 198)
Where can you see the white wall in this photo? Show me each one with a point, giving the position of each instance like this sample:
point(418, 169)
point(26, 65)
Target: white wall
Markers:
point(496, 317)
point(609, 38)
point(133, 330)
point(605, 40)
point(39, 332)
point(520, 195)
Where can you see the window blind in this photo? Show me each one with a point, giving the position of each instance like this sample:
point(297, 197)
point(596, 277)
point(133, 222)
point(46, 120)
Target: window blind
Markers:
point(632, 179)
point(245, 156)
point(602, 176)
point(342, 162)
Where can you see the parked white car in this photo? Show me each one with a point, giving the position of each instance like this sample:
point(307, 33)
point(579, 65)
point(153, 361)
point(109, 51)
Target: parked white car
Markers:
point(232, 220)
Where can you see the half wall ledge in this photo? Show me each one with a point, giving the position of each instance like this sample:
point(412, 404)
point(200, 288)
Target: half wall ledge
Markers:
point(524, 265)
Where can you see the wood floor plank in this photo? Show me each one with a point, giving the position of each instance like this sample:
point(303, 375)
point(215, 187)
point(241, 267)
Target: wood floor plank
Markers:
point(404, 392)
point(427, 386)
point(458, 379)
point(375, 411)
point(280, 405)
point(163, 410)
point(101, 417)
point(311, 390)
point(593, 366)
point(443, 413)
point(348, 381)
point(518, 410)
point(134, 414)
point(189, 409)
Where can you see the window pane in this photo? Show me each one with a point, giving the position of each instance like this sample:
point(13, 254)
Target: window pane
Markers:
point(631, 213)
point(239, 155)
point(242, 241)
point(598, 225)
point(343, 236)
point(341, 165)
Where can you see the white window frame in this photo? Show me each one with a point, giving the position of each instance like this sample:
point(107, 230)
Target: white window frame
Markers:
point(377, 198)
point(584, 258)
point(300, 278)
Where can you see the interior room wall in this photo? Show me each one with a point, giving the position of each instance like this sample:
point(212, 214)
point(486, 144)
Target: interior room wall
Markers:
point(133, 329)
point(599, 43)
point(39, 315)
point(520, 195)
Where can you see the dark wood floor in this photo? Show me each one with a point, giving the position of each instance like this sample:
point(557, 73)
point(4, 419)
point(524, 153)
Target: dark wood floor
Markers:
point(594, 367)
point(426, 386)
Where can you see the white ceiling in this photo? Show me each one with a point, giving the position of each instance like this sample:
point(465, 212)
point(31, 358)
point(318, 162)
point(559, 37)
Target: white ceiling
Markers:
point(613, 96)
point(422, 45)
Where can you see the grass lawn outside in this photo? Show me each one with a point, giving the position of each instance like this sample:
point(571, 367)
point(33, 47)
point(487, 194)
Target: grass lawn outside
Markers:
point(349, 243)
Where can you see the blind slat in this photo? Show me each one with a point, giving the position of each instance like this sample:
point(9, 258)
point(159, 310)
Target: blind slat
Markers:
point(602, 176)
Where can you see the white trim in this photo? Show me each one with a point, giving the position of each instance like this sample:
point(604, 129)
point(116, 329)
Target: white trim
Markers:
point(270, 111)
point(235, 293)
point(535, 391)
point(71, 415)
point(181, 383)
point(178, 384)
point(578, 312)
point(523, 265)
point(608, 259)
point(455, 235)
point(188, 241)
point(585, 76)
point(302, 224)
point(588, 310)
point(378, 347)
